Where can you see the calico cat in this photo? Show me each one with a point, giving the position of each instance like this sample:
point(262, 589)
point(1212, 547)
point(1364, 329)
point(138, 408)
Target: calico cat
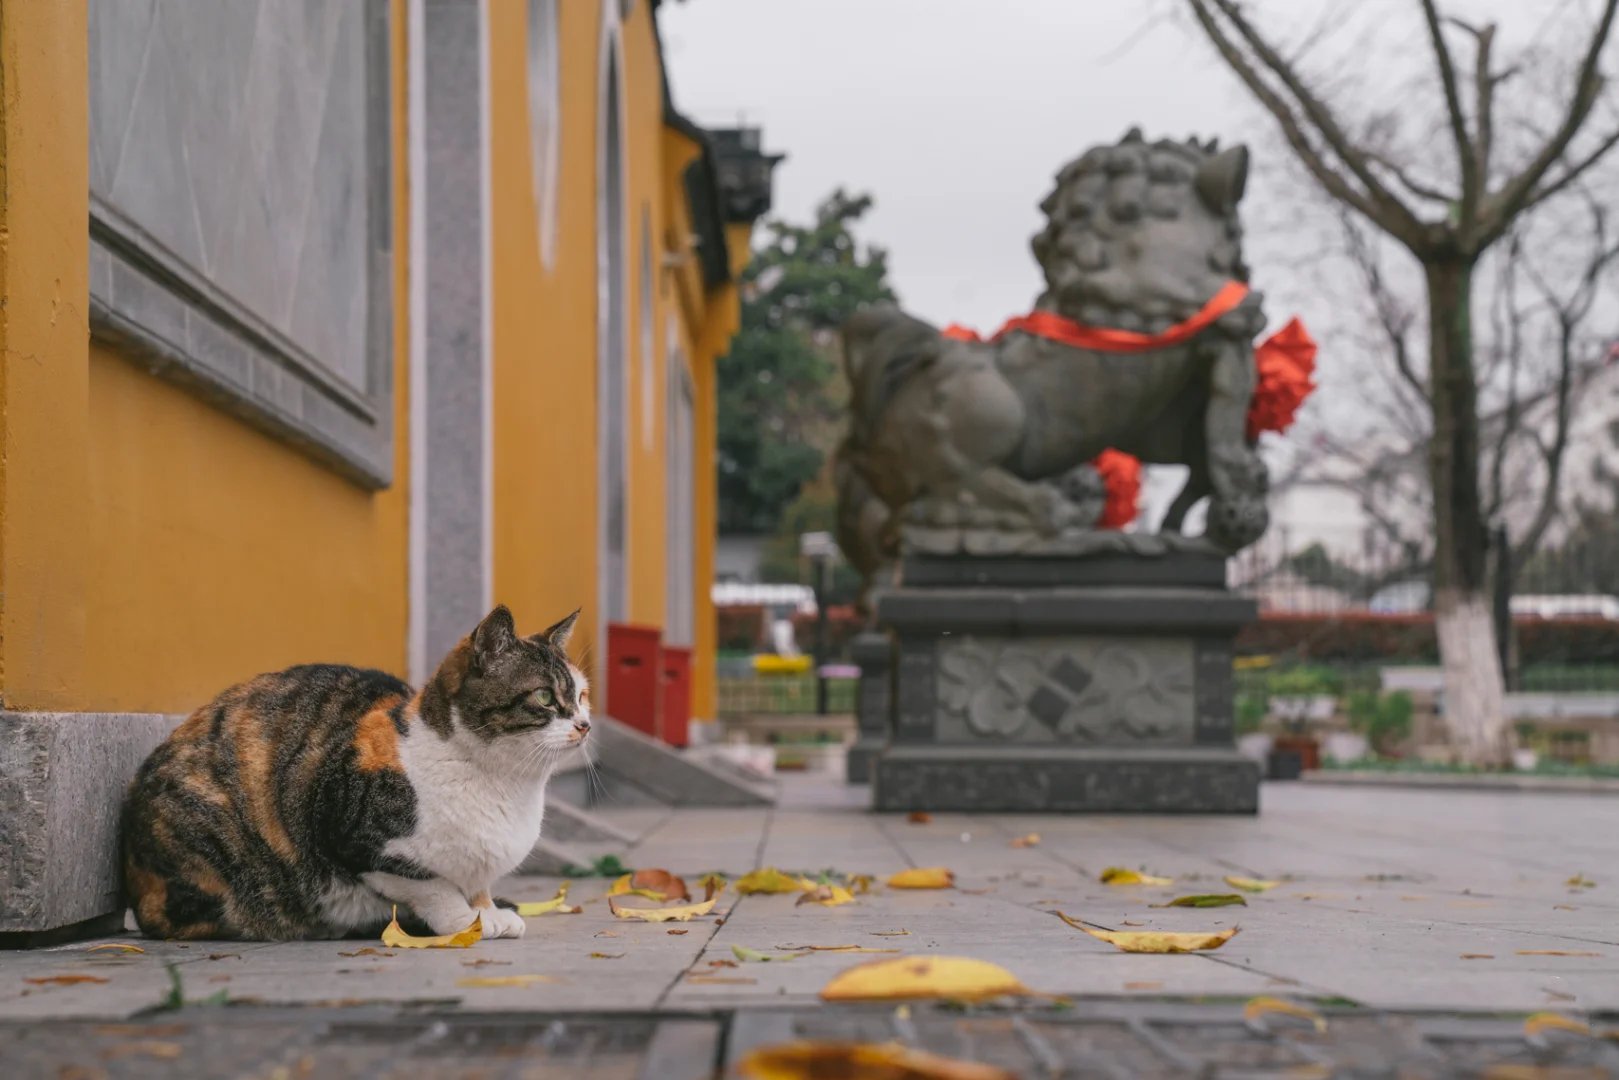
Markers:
point(305, 804)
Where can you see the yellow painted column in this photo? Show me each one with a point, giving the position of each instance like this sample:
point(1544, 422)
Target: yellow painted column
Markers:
point(44, 350)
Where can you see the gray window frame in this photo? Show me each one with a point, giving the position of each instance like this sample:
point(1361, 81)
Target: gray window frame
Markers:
point(162, 313)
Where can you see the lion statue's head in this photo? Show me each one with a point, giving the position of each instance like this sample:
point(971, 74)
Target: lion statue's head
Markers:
point(1139, 235)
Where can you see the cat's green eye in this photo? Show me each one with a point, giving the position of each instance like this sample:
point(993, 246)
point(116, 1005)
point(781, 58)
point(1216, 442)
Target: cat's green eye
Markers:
point(542, 698)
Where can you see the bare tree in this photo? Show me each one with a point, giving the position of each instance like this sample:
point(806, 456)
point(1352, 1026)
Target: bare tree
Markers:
point(1447, 222)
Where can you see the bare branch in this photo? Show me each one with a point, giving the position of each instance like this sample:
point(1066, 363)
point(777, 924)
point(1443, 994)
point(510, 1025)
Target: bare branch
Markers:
point(1573, 172)
point(1501, 207)
point(1395, 323)
point(1466, 155)
point(1376, 202)
point(1419, 188)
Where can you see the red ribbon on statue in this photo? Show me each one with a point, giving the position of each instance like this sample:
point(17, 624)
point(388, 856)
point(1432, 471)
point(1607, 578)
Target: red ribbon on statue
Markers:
point(1285, 360)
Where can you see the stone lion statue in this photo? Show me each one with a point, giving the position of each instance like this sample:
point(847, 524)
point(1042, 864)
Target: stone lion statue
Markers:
point(984, 447)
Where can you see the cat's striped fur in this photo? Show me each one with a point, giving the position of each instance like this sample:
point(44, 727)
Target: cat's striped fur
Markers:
point(306, 803)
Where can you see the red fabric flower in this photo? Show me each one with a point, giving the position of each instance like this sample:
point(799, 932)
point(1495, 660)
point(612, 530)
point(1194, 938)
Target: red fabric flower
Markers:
point(1121, 476)
point(1286, 362)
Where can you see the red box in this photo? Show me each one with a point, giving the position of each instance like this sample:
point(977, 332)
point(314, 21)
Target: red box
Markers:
point(634, 676)
point(676, 730)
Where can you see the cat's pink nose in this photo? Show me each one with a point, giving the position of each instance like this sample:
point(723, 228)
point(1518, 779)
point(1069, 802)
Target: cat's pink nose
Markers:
point(581, 726)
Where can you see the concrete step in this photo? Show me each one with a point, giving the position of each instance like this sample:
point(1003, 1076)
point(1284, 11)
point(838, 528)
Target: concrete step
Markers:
point(670, 776)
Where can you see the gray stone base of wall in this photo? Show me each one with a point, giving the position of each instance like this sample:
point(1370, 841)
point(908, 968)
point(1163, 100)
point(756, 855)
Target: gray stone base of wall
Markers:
point(62, 783)
point(1057, 780)
point(858, 762)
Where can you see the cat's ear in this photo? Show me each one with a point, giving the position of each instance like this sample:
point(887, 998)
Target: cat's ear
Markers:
point(495, 634)
point(559, 634)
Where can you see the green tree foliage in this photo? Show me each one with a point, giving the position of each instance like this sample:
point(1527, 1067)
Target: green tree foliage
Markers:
point(780, 391)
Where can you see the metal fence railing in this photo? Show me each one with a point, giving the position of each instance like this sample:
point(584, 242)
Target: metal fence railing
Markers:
point(779, 694)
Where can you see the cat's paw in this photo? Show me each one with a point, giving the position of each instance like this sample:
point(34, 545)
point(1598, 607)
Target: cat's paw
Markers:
point(501, 923)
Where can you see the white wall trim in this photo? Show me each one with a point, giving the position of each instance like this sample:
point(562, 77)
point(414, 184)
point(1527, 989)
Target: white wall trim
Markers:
point(610, 63)
point(416, 268)
point(487, 228)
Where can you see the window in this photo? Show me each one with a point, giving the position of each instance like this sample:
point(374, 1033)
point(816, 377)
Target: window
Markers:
point(544, 120)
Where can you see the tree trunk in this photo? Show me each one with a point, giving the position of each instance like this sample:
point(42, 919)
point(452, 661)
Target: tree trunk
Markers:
point(1475, 706)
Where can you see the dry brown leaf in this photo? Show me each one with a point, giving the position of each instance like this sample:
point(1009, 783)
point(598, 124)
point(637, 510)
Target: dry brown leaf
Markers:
point(713, 884)
point(1564, 907)
point(1478, 956)
point(826, 896)
point(498, 981)
point(1556, 952)
point(721, 980)
point(1132, 922)
point(1248, 884)
point(927, 877)
point(653, 884)
point(1257, 1009)
point(557, 903)
point(1031, 840)
point(771, 880)
point(890, 1061)
point(676, 933)
point(149, 1048)
point(395, 937)
point(721, 962)
point(975, 892)
point(1118, 875)
point(608, 955)
point(668, 914)
point(485, 962)
point(65, 980)
point(919, 817)
point(1155, 941)
point(833, 948)
point(954, 977)
point(115, 946)
point(1143, 986)
point(367, 951)
point(224, 956)
point(890, 933)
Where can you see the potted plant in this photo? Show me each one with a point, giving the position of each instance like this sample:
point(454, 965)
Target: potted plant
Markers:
point(1384, 719)
point(1297, 696)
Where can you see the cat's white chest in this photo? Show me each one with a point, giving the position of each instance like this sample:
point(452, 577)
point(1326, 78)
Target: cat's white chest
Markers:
point(472, 825)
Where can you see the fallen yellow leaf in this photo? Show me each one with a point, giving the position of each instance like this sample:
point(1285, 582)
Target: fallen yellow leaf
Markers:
point(890, 933)
point(1478, 956)
point(1556, 952)
point(1031, 840)
point(860, 883)
point(652, 884)
point(608, 955)
point(891, 1061)
point(1205, 900)
point(115, 946)
point(826, 896)
point(1540, 1023)
point(152, 1048)
point(496, 981)
point(557, 903)
point(1580, 881)
point(394, 936)
point(833, 948)
point(1248, 884)
point(1260, 1007)
point(771, 880)
point(668, 914)
point(754, 956)
point(953, 977)
point(65, 980)
point(367, 951)
point(1118, 875)
point(1154, 941)
point(713, 884)
point(927, 877)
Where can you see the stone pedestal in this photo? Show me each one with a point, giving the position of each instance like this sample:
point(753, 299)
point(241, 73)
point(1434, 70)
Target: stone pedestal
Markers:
point(1053, 684)
point(873, 653)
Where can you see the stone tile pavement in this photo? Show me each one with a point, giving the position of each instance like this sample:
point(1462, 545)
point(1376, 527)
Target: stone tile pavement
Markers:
point(1396, 902)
